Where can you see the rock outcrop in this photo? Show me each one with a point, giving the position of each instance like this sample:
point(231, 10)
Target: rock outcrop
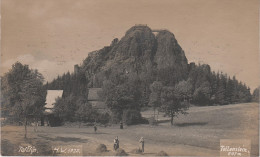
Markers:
point(140, 52)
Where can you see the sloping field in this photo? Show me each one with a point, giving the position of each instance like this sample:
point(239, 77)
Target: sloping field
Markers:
point(197, 133)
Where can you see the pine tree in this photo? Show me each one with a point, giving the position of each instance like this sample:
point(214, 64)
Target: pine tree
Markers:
point(255, 96)
point(229, 91)
point(221, 91)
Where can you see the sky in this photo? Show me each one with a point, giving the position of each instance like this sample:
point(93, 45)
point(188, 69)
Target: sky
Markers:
point(54, 35)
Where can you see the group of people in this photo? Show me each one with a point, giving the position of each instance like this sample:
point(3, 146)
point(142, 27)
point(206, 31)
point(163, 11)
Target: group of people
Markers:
point(116, 143)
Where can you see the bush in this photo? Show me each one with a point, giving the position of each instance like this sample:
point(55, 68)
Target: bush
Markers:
point(101, 148)
point(103, 118)
point(54, 120)
point(121, 152)
point(144, 121)
point(152, 121)
point(162, 153)
point(131, 117)
point(115, 117)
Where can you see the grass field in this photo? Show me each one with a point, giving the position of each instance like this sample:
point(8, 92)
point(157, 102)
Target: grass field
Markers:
point(197, 133)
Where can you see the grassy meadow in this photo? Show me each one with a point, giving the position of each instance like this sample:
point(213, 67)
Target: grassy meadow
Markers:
point(197, 133)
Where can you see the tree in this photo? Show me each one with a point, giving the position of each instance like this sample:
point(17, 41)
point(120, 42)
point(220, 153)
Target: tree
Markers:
point(155, 96)
point(121, 97)
point(65, 108)
point(202, 95)
point(174, 100)
point(4, 97)
point(255, 96)
point(229, 90)
point(24, 93)
point(182, 90)
point(234, 96)
point(84, 110)
point(221, 91)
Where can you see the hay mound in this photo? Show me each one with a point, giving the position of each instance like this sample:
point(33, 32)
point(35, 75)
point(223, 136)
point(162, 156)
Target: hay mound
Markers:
point(162, 153)
point(101, 148)
point(136, 151)
point(121, 152)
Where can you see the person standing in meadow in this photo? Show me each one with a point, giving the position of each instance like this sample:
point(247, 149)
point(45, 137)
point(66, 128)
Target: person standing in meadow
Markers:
point(116, 143)
point(95, 128)
point(141, 141)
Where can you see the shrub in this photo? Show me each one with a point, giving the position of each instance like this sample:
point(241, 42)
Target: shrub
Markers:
point(162, 153)
point(103, 118)
point(101, 148)
point(144, 121)
point(121, 152)
point(131, 117)
point(115, 117)
point(54, 120)
point(152, 121)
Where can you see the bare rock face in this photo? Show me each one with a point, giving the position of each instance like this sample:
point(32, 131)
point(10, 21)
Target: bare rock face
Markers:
point(169, 56)
point(134, 52)
point(139, 41)
point(169, 53)
point(139, 52)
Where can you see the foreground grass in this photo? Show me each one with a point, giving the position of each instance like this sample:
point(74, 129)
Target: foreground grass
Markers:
point(197, 133)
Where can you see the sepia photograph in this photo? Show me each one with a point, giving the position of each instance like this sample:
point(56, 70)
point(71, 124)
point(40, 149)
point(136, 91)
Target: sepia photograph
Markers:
point(130, 78)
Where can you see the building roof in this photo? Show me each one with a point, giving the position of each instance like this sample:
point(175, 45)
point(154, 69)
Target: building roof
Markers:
point(51, 97)
point(93, 94)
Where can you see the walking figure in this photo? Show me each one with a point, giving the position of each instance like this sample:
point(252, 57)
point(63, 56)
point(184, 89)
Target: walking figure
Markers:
point(142, 143)
point(35, 126)
point(116, 143)
point(95, 128)
point(121, 125)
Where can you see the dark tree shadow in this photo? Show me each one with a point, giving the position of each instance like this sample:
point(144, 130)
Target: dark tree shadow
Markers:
point(92, 133)
point(191, 124)
point(64, 139)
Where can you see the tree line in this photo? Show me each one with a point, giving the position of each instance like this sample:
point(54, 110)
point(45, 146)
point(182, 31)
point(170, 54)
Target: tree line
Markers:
point(23, 94)
point(210, 88)
point(127, 94)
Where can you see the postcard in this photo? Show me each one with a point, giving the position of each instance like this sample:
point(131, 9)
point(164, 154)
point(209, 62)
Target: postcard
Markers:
point(130, 78)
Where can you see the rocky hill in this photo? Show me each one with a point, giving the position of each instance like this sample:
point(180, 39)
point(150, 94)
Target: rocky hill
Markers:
point(143, 56)
point(139, 53)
